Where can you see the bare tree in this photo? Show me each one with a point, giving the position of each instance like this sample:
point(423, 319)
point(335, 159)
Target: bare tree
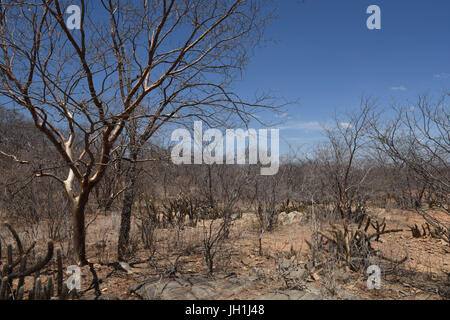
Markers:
point(207, 43)
point(418, 137)
point(81, 87)
point(227, 191)
point(129, 60)
point(347, 138)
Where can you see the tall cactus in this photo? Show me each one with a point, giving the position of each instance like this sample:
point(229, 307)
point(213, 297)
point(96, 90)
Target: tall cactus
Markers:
point(59, 280)
point(17, 269)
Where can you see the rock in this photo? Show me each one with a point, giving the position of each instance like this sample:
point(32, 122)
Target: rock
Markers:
point(311, 296)
point(315, 277)
point(125, 267)
point(101, 297)
point(348, 296)
point(107, 297)
point(203, 292)
point(193, 288)
point(289, 295)
point(200, 287)
point(294, 217)
point(273, 296)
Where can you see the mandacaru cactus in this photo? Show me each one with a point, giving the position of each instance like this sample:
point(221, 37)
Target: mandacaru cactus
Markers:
point(16, 269)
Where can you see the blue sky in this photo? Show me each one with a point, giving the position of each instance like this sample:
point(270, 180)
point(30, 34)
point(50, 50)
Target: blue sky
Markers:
point(326, 58)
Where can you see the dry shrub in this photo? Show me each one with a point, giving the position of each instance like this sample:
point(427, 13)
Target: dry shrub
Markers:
point(352, 248)
point(40, 209)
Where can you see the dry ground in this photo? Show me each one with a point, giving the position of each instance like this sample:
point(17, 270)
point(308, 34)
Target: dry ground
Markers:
point(427, 268)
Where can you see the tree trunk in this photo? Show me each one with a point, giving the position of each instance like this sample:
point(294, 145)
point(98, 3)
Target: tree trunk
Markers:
point(210, 192)
point(127, 205)
point(79, 230)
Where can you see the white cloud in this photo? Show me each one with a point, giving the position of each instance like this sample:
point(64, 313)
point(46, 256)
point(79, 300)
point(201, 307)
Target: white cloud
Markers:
point(399, 88)
point(302, 125)
point(345, 125)
point(442, 75)
point(283, 115)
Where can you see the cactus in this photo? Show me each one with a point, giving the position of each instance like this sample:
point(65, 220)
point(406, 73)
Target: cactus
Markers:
point(3, 288)
point(20, 293)
point(37, 289)
point(60, 273)
point(426, 231)
point(17, 269)
point(49, 288)
point(354, 248)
